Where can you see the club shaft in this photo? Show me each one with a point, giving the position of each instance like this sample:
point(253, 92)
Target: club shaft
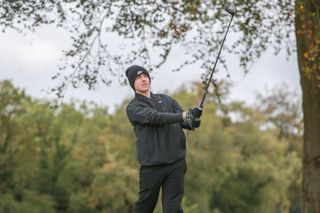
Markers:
point(214, 67)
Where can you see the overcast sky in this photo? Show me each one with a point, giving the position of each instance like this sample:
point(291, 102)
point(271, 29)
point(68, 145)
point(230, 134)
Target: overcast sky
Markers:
point(30, 61)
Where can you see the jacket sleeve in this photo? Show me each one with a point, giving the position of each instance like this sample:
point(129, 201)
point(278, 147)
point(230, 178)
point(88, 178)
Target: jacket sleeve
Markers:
point(177, 108)
point(147, 115)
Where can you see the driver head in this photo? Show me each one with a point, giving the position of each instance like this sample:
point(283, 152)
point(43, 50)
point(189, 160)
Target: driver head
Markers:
point(230, 8)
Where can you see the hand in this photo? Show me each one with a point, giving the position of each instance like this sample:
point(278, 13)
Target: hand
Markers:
point(196, 122)
point(193, 123)
point(196, 112)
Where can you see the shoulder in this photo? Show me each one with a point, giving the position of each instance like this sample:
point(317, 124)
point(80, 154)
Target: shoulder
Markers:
point(131, 108)
point(135, 102)
point(131, 103)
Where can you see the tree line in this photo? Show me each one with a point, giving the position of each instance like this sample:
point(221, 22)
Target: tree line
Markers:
point(80, 158)
point(160, 27)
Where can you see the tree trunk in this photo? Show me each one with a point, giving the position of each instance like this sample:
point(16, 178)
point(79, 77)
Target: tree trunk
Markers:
point(307, 25)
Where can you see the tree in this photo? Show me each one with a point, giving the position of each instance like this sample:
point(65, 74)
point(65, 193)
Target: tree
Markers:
point(11, 107)
point(283, 110)
point(78, 158)
point(63, 160)
point(148, 27)
point(308, 45)
point(149, 32)
point(235, 165)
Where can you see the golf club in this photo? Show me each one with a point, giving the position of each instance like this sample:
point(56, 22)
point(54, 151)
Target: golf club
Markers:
point(231, 10)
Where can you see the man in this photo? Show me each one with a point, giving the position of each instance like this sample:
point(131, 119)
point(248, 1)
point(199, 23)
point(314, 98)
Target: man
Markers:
point(161, 146)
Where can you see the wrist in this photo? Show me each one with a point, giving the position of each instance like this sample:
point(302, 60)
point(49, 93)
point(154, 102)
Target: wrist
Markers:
point(184, 115)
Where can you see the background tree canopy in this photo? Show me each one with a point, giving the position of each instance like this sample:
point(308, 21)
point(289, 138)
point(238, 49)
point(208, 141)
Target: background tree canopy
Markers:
point(79, 158)
point(149, 31)
point(108, 36)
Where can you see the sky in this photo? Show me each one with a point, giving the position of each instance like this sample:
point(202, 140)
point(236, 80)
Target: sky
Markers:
point(30, 61)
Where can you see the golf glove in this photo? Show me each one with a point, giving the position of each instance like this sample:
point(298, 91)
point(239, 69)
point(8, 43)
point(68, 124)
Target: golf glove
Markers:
point(196, 112)
point(193, 123)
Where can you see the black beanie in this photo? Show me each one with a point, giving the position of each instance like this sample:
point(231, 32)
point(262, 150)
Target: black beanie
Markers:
point(132, 73)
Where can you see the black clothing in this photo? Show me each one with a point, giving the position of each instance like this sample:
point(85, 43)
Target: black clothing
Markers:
point(161, 150)
point(158, 124)
point(171, 178)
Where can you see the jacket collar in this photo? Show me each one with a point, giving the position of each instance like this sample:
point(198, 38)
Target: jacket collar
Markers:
point(152, 100)
point(142, 97)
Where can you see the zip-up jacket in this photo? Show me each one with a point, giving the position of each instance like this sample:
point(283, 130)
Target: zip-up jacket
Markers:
point(157, 122)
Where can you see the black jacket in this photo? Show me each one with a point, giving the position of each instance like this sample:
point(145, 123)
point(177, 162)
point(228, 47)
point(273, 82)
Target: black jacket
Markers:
point(157, 123)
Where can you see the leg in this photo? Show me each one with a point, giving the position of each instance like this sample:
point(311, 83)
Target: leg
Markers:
point(150, 183)
point(173, 187)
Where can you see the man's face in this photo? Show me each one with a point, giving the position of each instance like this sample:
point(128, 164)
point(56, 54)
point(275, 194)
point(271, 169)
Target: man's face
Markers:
point(142, 83)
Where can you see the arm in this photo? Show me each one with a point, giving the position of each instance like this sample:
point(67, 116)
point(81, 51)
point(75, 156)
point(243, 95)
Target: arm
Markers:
point(147, 115)
point(177, 108)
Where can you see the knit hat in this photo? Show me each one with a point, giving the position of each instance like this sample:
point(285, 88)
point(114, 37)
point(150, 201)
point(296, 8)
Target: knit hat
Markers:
point(132, 73)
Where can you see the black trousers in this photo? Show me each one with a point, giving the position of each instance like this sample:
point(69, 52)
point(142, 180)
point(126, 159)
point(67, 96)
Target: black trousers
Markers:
point(170, 178)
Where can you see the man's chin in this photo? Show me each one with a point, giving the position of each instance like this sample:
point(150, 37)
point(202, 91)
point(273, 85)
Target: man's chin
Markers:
point(143, 91)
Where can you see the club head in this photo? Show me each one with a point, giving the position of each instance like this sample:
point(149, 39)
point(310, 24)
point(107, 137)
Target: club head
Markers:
point(230, 8)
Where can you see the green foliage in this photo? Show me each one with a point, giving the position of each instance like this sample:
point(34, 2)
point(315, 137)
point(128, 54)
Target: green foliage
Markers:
point(79, 158)
point(159, 28)
point(31, 203)
point(189, 207)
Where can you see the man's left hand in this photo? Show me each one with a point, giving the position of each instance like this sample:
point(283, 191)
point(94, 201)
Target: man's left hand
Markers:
point(196, 111)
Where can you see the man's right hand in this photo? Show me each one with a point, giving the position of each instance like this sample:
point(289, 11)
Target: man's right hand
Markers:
point(192, 117)
point(192, 121)
point(195, 123)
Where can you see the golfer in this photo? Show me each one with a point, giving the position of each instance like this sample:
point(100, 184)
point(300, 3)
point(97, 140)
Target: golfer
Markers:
point(158, 122)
